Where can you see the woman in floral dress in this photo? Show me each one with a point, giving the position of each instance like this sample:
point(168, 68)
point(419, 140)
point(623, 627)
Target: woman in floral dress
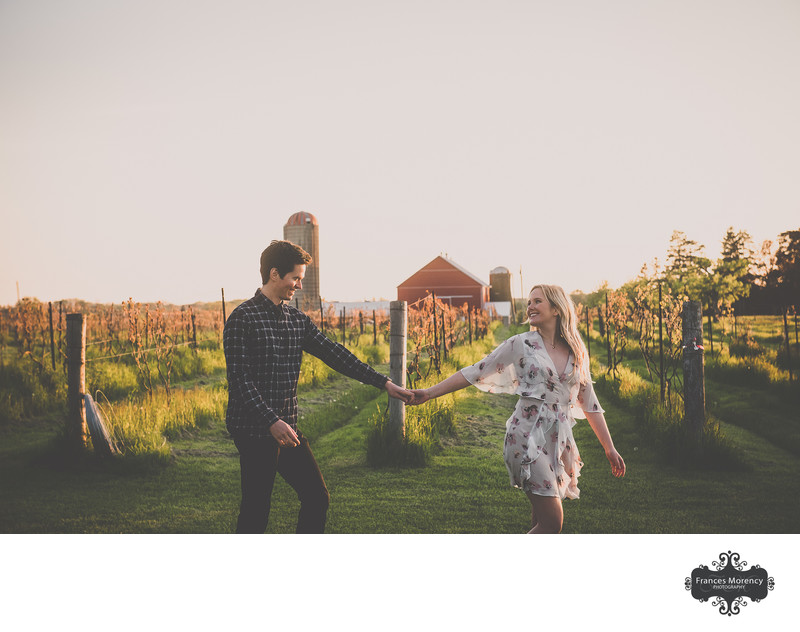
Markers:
point(548, 367)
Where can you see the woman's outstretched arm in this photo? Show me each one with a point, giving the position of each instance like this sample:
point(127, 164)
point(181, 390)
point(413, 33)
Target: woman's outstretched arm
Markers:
point(453, 383)
point(598, 423)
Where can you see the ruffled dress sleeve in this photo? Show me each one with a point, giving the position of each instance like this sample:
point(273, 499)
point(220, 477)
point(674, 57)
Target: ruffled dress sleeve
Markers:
point(497, 372)
point(586, 401)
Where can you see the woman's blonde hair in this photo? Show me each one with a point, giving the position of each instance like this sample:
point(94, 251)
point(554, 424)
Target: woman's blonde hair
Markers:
point(568, 326)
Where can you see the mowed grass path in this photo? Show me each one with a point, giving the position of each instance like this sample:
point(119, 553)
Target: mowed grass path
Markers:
point(464, 490)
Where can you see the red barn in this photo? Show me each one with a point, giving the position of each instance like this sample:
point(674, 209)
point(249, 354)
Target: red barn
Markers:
point(449, 281)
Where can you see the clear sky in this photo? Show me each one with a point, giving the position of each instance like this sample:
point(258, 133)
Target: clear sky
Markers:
point(153, 148)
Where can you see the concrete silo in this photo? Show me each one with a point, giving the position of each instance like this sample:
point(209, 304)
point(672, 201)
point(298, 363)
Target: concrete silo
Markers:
point(303, 229)
point(500, 291)
point(500, 284)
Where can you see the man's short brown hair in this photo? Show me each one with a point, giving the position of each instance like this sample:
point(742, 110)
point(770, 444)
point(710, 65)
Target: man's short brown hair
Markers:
point(283, 255)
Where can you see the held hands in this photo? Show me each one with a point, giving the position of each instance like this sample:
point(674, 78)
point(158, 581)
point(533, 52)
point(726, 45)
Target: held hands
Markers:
point(421, 395)
point(411, 397)
point(287, 437)
point(617, 464)
point(399, 393)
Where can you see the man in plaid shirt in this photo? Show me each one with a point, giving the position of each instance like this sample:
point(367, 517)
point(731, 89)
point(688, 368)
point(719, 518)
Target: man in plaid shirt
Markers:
point(264, 340)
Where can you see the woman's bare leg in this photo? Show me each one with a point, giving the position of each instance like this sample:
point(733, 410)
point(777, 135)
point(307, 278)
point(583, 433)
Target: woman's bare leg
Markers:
point(548, 513)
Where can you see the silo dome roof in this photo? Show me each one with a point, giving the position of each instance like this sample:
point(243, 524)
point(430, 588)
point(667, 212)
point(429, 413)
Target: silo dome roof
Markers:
point(500, 270)
point(301, 219)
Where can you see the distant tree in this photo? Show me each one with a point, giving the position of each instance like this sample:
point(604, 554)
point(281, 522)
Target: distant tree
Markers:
point(597, 301)
point(684, 253)
point(688, 269)
point(731, 279)
point(763, 262)
point(785, 275)
point(726, 285)
point(716, 285)
point(737, 245)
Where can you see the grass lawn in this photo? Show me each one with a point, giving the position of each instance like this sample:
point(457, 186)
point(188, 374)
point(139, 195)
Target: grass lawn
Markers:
point(464, 490)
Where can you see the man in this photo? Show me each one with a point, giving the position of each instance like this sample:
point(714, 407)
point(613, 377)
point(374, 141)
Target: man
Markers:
point(264, 340)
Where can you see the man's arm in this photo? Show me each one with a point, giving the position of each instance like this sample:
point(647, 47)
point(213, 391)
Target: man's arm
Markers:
point(340, 359)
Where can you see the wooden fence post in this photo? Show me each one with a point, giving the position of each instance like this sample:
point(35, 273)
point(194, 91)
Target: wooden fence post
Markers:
point(185, 332)
point(52, 339)
point(194, 331)
point(397, 364)
point(374, 328)
point(444, 337)
point(661, 345)
point(77, 430)
point(435, 335)
point(2, 341)
point(62, 330)
point(788, 344)
point(694, 391)
point(588, 333)
point(608, 335)
point(710, 332)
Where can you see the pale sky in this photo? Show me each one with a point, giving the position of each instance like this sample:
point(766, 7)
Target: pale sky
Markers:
point(152, 148)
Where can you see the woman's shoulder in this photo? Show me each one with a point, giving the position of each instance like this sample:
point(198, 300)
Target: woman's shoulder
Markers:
point(525, 343)
point(531, 339)
point(523, 338)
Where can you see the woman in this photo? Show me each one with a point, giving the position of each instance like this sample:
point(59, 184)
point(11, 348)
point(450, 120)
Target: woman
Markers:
point(548, 367)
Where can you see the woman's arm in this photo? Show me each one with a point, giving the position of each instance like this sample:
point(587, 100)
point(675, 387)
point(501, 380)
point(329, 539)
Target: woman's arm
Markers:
point(453, 383)
point(598, 423)
point(494, 374)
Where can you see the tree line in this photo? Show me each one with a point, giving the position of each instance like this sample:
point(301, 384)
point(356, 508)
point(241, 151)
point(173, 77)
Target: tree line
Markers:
point(745, 279)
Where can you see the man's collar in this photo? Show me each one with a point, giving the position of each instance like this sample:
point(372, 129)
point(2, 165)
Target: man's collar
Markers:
point(267, 302)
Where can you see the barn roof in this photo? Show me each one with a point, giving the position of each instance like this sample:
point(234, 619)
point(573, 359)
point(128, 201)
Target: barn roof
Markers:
point(452, 264)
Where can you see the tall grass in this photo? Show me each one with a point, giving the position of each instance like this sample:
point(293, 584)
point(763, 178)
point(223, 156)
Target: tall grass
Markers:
point(314, 371)
point(423, 427)
point(119, 378)
point(29, 390)
point(143, 425)
point(338, 412)
point(424, 424)
point(764, 369)
point(664, 425)
point(139, 424)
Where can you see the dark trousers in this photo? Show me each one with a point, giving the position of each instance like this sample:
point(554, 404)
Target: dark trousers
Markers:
point(260, 460)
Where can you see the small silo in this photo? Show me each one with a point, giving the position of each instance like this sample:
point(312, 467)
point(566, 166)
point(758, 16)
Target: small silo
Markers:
point(303, 229)
point(500, 285)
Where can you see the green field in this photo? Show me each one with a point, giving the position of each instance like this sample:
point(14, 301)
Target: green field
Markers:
point(463, 489)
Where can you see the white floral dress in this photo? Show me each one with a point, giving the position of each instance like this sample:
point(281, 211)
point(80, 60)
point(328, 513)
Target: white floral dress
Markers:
point(539, 451)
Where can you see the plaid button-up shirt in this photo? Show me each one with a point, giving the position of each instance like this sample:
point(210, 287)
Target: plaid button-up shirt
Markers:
point(264, 346)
